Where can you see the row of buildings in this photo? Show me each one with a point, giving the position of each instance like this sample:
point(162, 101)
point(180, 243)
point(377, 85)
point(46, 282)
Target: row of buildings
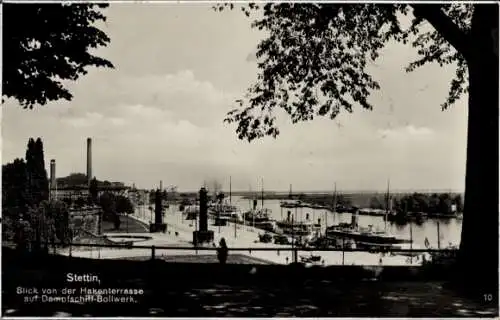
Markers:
point(81, 188)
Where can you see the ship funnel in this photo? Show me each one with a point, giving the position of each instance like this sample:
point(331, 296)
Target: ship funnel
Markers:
point(354, 220)
point(89, 160)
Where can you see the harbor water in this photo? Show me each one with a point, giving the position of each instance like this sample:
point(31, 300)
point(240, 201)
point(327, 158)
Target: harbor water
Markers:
point(449, 230)
point(244, 236)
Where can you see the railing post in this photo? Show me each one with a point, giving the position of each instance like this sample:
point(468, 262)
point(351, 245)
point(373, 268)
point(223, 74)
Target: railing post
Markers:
point(439, 236)
point(70, 248)
point(295, 255)
point(343, 251)
point(152, 252)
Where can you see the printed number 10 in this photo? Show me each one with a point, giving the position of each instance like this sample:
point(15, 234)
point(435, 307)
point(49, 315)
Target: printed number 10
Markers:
point(488, 297)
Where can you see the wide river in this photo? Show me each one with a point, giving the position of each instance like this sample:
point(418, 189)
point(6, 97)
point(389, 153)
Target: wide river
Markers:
point(449, 229)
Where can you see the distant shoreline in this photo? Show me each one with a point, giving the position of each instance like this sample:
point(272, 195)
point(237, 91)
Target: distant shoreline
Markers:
point(375, 203)
point(330, 192)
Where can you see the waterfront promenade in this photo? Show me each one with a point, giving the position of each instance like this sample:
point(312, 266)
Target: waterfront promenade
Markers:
point(180, 233)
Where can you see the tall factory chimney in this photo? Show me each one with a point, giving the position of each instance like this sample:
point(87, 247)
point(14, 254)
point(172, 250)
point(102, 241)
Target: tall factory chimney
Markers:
point(53, 185)
point(89, 160)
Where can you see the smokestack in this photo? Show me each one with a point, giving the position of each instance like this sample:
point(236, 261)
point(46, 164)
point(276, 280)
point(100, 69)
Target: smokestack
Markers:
point(53, 183)
point(52, 174)
point(89, 160)
point(161, 185)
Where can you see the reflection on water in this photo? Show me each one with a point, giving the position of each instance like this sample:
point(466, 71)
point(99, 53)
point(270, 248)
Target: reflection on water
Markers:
point(449, 229)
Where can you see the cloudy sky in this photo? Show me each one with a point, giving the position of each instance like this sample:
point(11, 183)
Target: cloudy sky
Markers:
point(158, 115)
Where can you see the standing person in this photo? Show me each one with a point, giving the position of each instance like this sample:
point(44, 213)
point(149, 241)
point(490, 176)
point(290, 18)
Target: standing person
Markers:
point(222, 251)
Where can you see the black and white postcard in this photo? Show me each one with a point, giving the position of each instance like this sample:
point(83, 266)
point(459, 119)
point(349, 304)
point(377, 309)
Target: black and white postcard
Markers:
point(237, 159)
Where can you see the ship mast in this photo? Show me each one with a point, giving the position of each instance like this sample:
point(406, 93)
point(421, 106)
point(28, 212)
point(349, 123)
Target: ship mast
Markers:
point(387, 205)
point(250, 198)
point(262, 182)
point(335, 196)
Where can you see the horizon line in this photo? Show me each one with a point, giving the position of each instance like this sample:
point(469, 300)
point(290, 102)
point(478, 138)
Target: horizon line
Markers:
point(440, 190)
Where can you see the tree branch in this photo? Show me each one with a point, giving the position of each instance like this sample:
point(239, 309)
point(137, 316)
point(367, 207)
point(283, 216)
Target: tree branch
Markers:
point(444, 25)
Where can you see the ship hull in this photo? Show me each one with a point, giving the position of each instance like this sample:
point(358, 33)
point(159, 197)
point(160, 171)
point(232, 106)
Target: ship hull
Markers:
point(368, 240)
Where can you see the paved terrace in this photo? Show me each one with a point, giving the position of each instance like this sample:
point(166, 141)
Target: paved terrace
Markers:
point(212, 290)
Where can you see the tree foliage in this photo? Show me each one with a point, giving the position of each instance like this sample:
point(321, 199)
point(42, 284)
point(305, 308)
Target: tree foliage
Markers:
point(112, 205)
point(107, 202)
point(25, 183)
point(93, 190)
point(124, 205)
point(25, 200)
point(80, 180)
point(315, 59)
point(14, 187)
point(41, 180)
point(72, 180)
point(42, 226)
point(47, 45)
point(433, 204)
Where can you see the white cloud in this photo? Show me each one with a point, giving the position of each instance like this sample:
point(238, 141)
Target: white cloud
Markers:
point(408, 132)
point(159, 114)
point(421, 131)
point(117, 121)
point(180, 95)
point(89, 120)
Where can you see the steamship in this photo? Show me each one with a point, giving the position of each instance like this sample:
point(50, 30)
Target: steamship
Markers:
point(365, 238)
point(306, 230)
point(260, 218)
point(224, 212)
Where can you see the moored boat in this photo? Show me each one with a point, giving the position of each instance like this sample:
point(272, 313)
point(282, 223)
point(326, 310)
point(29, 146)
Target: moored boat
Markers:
point(260, 218)
point(366, 238)
point(225, 212)
point(303, 230)
point(291, 204)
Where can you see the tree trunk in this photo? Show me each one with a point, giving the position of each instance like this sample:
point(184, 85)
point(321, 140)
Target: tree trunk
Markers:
point(478, 256)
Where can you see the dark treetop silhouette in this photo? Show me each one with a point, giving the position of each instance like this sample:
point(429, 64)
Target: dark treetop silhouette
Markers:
point(313, 62)
point(46, 44)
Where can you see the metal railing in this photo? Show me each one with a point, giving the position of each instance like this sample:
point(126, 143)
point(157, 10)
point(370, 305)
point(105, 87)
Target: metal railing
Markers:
point(152, 250)
point(201, 248)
